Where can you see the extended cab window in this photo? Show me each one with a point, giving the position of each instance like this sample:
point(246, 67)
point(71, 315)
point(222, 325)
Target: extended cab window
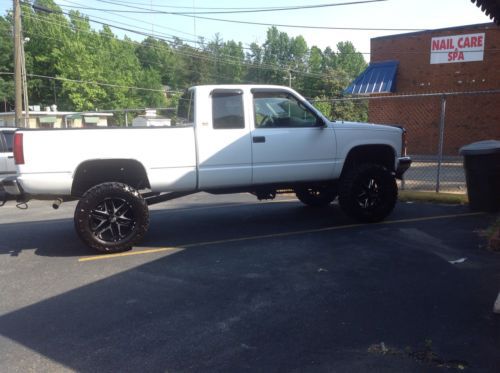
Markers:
point(281, 109)
point(227, 110)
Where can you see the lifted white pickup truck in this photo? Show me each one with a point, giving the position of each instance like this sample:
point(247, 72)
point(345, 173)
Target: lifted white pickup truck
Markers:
point(228, 139)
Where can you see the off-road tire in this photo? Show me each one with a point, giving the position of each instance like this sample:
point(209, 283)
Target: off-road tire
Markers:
point(316, 196)
point(368, 192)
point(111, 217)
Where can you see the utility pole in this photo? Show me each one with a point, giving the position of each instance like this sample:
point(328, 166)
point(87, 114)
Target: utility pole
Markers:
point(25, 86)
point(290, 78)
point(18, 64)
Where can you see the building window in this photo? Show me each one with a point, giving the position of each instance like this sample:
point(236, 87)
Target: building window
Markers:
point(46, 122)
point(90, 121)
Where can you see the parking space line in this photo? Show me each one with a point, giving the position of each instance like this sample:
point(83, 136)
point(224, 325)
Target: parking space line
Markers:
point(129, 253)
point(273, 235)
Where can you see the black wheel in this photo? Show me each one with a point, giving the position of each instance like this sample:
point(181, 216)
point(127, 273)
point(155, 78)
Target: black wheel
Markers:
point(368, 192)
point(317, 196)
point(111, 217)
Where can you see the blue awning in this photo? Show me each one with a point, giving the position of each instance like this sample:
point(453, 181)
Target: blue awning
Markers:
point(379, 77)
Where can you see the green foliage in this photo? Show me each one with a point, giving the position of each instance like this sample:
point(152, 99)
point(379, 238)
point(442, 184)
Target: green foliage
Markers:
point(6, 61)
point(68, 48)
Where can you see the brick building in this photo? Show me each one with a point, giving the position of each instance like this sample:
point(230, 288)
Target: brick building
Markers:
point(463, 60)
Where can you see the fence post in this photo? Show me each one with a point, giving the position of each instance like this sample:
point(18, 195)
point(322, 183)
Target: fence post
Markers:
point(126, 118)
point(441, 141)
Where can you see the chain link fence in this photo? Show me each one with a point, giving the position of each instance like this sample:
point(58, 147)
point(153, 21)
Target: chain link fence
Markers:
point(437, 126)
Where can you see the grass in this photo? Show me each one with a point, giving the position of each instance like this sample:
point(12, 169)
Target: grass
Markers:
point(451, 198)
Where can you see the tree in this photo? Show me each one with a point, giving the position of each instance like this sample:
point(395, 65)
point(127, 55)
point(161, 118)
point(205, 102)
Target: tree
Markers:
point(233, 58)
point(78, 63)
point(314, 84)
point(276, 54)
point(348, 59)
point(46, 28)
point(158, 55)
point(6, 64)
point(253, 61)
point(85, 69)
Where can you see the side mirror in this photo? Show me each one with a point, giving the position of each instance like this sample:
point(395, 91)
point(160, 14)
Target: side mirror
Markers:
point(320, 123)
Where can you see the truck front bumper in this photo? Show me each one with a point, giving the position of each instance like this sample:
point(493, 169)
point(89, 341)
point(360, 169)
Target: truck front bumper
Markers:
point(404, 164)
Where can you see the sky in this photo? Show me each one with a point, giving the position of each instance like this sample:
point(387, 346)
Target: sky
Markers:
point(390, 14)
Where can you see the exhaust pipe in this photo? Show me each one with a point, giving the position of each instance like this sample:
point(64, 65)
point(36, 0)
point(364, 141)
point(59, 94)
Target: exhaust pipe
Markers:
point(57, 203)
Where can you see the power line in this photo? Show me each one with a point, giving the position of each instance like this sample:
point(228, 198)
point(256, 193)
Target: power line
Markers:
point(172, 69)
point(226, 59)
point(265, 24)
point(190, 70)
point(108, 84)
point(130, 18)
point(205, 8)
point(203, 55)
point(88, 82)
point(171, 38)
point(258, 10)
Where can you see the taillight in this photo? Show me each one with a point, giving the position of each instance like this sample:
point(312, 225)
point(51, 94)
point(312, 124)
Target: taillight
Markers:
point(18, 148)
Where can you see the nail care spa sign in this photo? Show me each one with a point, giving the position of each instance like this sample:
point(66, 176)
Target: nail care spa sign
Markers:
point(457, 48)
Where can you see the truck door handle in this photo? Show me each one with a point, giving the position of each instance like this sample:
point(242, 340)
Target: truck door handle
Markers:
point(258, 139)
point(10, 157)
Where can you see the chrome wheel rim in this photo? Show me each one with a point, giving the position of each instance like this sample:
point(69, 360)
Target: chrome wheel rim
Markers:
point(315, 192)
point(112, 220)
point(369, 194)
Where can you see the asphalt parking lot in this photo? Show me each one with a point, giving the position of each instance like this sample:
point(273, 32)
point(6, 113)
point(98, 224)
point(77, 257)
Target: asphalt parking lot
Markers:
point(231, 284)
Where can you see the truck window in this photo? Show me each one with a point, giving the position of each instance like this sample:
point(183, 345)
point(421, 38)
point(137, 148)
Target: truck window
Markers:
point(185, 109)
point(280, 109)
point(227, 110)
point(9, 139)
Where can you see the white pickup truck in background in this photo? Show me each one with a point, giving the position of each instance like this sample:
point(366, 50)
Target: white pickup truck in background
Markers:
point(7, 165)
point(226, 139)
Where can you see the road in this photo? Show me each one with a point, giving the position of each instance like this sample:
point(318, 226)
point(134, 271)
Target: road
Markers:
point(229, 284)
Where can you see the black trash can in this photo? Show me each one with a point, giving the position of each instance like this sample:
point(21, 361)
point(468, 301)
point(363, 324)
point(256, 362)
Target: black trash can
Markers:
point(482, 172)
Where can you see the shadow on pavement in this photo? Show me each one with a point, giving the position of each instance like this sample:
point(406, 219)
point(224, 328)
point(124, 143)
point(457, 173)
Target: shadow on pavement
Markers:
point(297, 303)
point(57, 238)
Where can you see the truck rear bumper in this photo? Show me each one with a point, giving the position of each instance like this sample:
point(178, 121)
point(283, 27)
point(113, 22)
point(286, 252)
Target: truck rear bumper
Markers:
point(404, 164)
point(12, 189)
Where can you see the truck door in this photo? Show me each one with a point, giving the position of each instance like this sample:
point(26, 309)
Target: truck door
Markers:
point(224, 144)
point(289, 141)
